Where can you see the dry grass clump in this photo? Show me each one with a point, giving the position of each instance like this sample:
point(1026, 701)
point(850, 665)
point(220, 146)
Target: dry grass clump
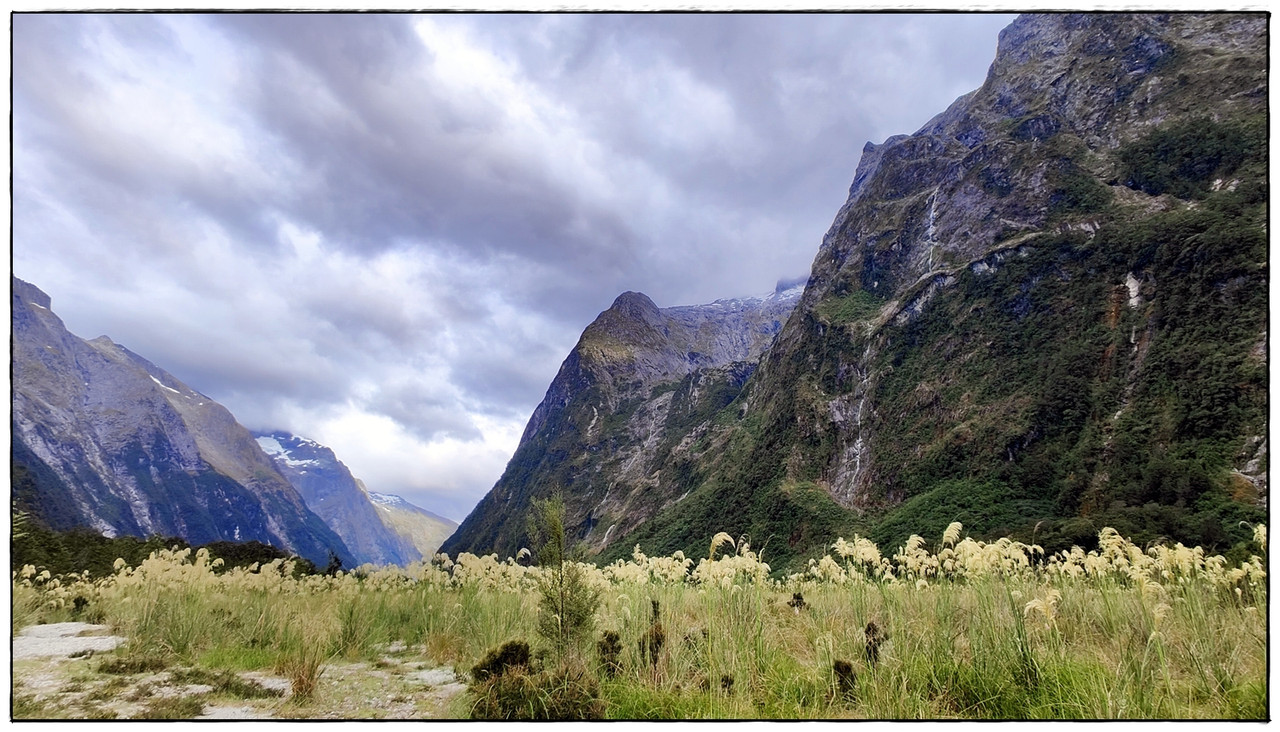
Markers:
point(171, 707)
point(564, 694)
point(303, 659)
point(874, 638)
point(140, 664)
point(225, 682)
point(796, 602)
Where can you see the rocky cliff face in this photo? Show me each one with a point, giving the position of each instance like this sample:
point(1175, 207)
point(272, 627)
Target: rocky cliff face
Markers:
point(333, 494)
point(109, 441)
point(625, 416)
point(1042, 313)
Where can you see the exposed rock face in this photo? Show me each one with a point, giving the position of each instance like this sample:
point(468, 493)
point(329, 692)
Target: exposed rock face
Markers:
point(1001, 165)
point(625, 411)
point(1042, 313)
point(333, 494)
point(119, 445)
point(424, 529)
point(1062, 94)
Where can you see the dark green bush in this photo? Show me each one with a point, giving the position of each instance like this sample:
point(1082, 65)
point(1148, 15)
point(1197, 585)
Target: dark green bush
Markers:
point(500, 660)
point(1184, 157)
point(567, 693)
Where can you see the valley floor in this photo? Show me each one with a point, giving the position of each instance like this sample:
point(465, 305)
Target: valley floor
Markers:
point(65, 671)
point(965, 630)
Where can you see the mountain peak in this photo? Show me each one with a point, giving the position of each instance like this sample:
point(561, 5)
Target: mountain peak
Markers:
point(636, 306)
point(30, 293)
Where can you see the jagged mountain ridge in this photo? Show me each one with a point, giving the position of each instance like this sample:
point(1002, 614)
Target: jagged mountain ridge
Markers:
point(629, 404)
point(104, 439)
point(341, 501)
point(1042, 313)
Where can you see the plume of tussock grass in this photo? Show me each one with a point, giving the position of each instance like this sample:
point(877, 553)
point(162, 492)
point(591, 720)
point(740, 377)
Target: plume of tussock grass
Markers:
point(718, 541)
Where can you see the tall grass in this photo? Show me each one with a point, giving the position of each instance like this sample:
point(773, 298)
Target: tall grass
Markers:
point(971, 630)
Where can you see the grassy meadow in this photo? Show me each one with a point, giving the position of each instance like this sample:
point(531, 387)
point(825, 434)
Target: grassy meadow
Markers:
point(953, 629)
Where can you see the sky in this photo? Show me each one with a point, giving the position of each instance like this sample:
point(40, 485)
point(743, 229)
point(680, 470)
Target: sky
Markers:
point(385, 232)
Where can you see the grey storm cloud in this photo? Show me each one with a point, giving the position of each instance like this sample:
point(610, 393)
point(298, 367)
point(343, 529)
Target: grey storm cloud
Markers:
point(411, 218)
point(395, 156)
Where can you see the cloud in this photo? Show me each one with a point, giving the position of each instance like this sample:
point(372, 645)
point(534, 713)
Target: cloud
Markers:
point(385, 232)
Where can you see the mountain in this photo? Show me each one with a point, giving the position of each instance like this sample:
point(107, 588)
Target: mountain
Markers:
point(424, 529)
point(334, 495)
point(104, 439)
point(1043, 313)
point(626, 411)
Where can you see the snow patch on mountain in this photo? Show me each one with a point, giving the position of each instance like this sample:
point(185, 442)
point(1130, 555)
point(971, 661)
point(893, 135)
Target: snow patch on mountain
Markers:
point(387, 501)
point(162, 386)
point(272, 447)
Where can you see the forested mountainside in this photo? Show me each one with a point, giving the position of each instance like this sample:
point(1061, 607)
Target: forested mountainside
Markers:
point(104, 439)
point(1043, 313)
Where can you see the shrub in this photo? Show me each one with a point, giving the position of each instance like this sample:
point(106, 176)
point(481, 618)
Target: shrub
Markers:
point(568, 602)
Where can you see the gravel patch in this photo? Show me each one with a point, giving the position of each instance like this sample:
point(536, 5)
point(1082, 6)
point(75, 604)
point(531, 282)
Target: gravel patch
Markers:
point(270, 682)
point(234, 712)
point(63, 639)
point(435, 676)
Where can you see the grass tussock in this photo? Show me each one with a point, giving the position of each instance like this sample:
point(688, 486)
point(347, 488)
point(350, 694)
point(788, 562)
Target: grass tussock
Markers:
point(565, 693)
point(127, 665)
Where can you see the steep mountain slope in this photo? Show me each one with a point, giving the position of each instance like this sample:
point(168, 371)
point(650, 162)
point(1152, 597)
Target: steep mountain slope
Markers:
point(624, 417)
point(1042, 313)
point(102, 438)
point(333, 494)
point(424, 529)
